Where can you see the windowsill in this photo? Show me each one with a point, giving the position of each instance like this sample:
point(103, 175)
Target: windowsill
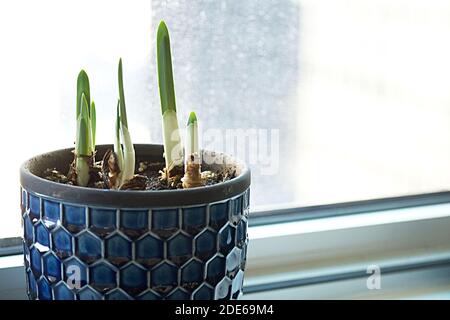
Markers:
point(328, 257)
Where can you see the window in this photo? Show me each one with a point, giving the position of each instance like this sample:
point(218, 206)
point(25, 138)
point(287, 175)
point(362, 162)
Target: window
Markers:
point(352, 95)
point(341, 108)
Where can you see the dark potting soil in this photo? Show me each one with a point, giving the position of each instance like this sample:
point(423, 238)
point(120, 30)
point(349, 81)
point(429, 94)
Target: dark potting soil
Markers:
point(148, 177)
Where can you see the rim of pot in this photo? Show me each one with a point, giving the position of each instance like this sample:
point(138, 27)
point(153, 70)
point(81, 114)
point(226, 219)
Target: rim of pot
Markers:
point(129, 198)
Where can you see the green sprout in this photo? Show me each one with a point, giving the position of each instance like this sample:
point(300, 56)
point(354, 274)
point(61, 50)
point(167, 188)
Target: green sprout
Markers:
point(192, 162)
point(86, 127)
point(173, 150)
point(123, 147)
point(191, 136)
point(93, 114)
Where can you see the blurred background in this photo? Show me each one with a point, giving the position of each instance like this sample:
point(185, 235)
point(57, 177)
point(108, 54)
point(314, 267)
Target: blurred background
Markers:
point(357, 89)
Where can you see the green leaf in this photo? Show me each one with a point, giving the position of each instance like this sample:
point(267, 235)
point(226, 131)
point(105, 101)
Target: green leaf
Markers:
point(118, 123)
point(165, 76)
point(192, 118)
point(93, 118)
point(82, 88)
point(191, 135)
point(117, 144)
point(123, 111)
point(83, 142)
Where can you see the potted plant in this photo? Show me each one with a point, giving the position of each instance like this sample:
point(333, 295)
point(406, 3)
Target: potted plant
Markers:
point(97, 228)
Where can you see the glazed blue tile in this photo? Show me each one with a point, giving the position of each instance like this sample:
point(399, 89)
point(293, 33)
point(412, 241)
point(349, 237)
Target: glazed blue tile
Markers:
point(23, 200)
point(236, 209)
point(44, 289)
point(42, 236)
point(179, 249)
point(226, 239)
point(62, 292)
point(88, 247)
point(134, 223)
point(118, 250)
point(205, 245)
point(75, 273)
point(164, 278)
point(102, 221)
point(26, 255)
point(165, 222)
point(35, 208)
point(218, 215)
point(32, 285)
point(74, 218)
point(194, 219)
point(62, 243)
point(243, 256)
point(178, 294)
point(241, 233)
point(117, 295)
point(28, 230)
point(237, 284)
point(149, 251)
point(35, 258)
point(51, 213)
point(223, 289)
point(204, 292)
point(133, 279)
point(192, 275)
point(89, 294)
point(233, 262)
point(246, 200)
point(215, 270)
point(102, 277)
point(52, 267)
point(149, 295)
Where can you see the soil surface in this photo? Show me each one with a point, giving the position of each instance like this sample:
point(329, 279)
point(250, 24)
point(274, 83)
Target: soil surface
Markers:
point(149, 176)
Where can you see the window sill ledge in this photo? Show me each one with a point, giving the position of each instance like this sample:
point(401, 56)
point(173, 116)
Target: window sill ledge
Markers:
point(319, 258)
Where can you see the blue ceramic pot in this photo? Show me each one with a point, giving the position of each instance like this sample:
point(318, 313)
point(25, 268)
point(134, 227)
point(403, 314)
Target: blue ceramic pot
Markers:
point(82, 243)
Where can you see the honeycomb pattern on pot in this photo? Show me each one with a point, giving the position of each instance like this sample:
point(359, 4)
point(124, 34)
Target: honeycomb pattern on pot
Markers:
point(82, 252)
